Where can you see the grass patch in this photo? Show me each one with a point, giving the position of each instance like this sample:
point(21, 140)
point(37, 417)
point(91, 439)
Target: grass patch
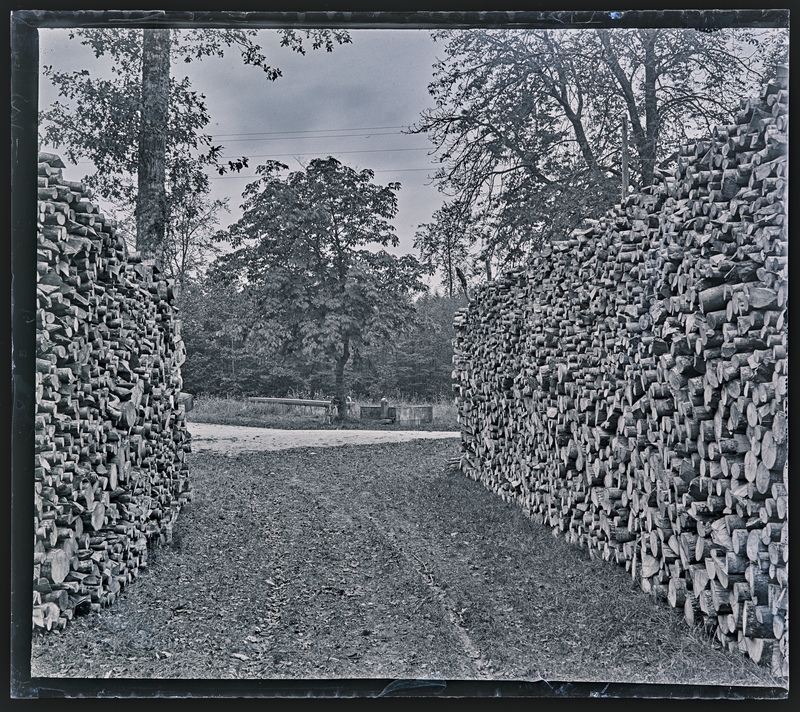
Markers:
point(240, 411)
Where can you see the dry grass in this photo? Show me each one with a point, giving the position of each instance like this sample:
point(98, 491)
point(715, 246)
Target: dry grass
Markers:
point(240, 411)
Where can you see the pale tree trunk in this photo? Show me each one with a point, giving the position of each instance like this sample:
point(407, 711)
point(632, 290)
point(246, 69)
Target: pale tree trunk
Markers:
point(340, 391)
point(651, 117)
point(151, 206)
point(624, 157)
point(449, 249)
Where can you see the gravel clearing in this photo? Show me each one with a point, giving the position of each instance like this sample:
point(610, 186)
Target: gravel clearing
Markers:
point(234, 439)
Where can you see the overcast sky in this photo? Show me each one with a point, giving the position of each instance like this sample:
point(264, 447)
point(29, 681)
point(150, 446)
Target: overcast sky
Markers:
point(352, 104)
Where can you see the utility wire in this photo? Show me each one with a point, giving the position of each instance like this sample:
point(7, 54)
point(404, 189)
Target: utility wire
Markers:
point(339, 153)
point(276, 133)
point(396, 170)
point(302, 138)
point(332, 153)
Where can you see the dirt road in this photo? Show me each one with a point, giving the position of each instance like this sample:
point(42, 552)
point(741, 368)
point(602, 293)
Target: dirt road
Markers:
point(374, 561)
point(235, 439)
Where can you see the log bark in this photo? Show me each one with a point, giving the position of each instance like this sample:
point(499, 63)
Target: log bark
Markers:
point(647, 354)
point(110, 440)
point(151, 207)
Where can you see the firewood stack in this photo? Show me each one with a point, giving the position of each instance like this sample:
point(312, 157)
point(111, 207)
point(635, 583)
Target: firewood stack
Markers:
point(110, 472)
point(628, 387)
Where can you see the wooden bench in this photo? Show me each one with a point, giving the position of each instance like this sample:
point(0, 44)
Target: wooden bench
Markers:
point(331, 410)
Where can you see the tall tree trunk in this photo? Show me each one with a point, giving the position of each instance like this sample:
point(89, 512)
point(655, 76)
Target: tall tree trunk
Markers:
point(340, 391)
point(449, 249)
point(487, 263)
point(624, 157)
point(648, 156)
point(151, 206)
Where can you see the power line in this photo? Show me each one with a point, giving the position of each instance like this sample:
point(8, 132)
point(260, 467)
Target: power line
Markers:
point(403, 170)
point(339, 153)
point(332, 153)
point(390, 170)
point(302, 138)
point(276, 133)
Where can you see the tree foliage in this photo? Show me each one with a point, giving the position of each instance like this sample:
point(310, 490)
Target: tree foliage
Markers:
point(445, 241)
point(229, 354)
point(419, 363)
point(103, 119)
point(528, 122)
point(308, 257)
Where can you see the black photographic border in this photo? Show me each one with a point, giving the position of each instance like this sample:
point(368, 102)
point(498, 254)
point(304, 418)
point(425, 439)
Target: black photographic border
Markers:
point(24, 55)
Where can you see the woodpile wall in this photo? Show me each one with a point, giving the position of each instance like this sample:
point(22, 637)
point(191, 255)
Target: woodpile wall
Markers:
point(110, 472)
point(628, 387)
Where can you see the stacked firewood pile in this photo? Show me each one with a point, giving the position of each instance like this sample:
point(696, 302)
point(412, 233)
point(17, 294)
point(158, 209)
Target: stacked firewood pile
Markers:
point(628, 387)
point(110, 472)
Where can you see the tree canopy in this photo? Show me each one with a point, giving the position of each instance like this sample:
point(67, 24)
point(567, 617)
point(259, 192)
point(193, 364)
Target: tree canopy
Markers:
point(308, 253)
point(444, 242)
point(228, 354)
point(528, 123)
point(143, 118)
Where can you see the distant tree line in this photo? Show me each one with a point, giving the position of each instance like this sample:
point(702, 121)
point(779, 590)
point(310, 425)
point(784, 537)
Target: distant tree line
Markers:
point(225, 359)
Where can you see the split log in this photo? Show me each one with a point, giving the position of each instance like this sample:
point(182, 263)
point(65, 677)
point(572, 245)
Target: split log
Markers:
point(110, 441)
point(646, 354)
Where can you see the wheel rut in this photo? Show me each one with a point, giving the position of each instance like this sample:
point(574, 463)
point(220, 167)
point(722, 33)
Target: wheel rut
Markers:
point(414, 553)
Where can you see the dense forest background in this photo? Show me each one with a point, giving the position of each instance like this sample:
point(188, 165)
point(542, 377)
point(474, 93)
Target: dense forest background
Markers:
point(225, 356)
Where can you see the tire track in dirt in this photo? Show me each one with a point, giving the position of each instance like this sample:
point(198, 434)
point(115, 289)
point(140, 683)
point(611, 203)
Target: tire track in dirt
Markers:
point(446, 602)
point(379, 562)
point(401, 508)
point(476, 663)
